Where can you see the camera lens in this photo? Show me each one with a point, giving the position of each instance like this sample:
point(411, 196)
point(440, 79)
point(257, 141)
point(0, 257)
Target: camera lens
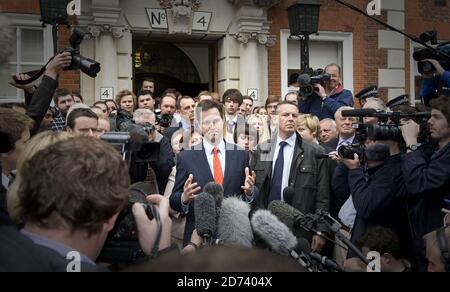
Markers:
point(347, 152)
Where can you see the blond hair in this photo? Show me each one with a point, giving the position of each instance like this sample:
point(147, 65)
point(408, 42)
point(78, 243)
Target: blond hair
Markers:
point(311, 122)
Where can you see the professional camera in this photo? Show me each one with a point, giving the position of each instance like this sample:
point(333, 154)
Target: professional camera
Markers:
point(306, 81)
point(164, 120)
point(426, 67)
point(122, 245)
point(88, 66)
point(349, 151)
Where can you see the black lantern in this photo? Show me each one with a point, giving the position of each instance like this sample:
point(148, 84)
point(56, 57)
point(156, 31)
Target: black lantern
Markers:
point(304, 20)
point(54, 12)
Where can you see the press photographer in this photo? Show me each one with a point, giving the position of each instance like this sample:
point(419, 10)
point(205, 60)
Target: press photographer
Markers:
point(434, 66)
point(322, 93)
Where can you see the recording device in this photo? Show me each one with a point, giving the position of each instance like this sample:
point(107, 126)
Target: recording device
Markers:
point(216, 191)
point(122, 245)
point(86, 65)
point(308, 80)
point(163, 120)
point(233, 225)
point(206, 217)
point(426, 67)
point(133, 139)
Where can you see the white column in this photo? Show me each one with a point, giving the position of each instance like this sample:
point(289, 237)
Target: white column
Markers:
point(250, 68)
point(106, 54)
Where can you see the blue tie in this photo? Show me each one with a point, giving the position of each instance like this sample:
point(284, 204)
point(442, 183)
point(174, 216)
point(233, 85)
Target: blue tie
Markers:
point(277, 177)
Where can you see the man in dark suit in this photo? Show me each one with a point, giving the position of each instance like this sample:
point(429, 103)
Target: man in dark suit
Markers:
point(186, 109)
point(212, 160)
point(288, 161)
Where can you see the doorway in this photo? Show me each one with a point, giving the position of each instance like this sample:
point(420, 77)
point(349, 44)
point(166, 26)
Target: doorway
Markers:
point(189, 67)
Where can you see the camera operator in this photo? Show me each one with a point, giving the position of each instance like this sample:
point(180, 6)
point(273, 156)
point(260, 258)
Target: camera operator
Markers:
point(165, 119)
point(433, 83)
point(326, 100)
point(163, 166)
point(83, 187)
point(426, 171)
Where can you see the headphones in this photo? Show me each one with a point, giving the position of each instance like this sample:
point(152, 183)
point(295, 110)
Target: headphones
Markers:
point(6, 142)
point(443, 247)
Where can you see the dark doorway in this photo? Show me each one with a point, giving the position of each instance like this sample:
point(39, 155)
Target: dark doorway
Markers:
point(171, 67)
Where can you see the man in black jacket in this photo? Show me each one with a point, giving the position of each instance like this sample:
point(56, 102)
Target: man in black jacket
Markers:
point(426, 171)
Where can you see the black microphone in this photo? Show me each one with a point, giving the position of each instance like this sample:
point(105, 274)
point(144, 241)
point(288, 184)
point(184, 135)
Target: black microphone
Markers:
point(216, 191)
point(322, 156)
point(326, 262)
point(359, 113)
point(288, 195)
point(205, 217)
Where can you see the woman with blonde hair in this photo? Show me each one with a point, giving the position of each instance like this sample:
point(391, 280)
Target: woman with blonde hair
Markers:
point(261, 126)
point(308, 127)
point(36, 144)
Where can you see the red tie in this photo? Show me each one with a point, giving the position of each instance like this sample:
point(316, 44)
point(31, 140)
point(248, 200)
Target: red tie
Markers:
point(218, 174)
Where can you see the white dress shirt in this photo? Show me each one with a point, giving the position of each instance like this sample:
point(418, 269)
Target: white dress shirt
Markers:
point(288, 154)
point(5, 181)
point(209, 151)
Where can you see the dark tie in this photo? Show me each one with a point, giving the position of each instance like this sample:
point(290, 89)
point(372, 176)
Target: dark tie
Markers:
point(277, 177)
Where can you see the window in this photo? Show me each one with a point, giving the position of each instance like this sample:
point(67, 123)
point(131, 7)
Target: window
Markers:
point(325, 48)
point(32, 47)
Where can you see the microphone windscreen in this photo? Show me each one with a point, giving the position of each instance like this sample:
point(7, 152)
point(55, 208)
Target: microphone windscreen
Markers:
point(273, 232)
point(285, 213)
point(288, 194)
point(216, 191)
point(205, 215)
point(233, 226)
point(303, 245)
point(304, 79)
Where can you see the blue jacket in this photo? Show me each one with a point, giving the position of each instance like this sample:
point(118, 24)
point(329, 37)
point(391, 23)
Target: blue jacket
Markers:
point(430, 87)
point(329, 106)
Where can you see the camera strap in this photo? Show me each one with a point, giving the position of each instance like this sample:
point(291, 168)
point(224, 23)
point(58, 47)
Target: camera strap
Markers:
point(34, 75)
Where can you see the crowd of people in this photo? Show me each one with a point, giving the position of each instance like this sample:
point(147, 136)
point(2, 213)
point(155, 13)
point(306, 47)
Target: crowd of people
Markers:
point(63, 188)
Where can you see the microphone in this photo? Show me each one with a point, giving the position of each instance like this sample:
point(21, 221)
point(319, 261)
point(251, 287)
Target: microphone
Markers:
point(233, 226)
point(326, 262)
point(360, 113)
point(322, 156)
point(216, 191)
point(288, 195)
point(285, 213)
point(370, 91)
point(205, 217)
point(277, 237)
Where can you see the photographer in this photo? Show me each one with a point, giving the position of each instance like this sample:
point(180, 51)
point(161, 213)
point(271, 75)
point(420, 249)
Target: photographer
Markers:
point(426, 171)
point(433, 83)
point(326, 100)
point(83, 187)
point(163, 166)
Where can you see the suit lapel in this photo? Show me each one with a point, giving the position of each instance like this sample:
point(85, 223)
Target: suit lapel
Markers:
point(230, 157)
point(297, 158)
point(201, 161)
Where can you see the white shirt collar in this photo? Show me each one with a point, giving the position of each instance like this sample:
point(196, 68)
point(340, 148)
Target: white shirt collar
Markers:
point(209, 147)
point(291, 140)
point(5, 181)
point(341, 140)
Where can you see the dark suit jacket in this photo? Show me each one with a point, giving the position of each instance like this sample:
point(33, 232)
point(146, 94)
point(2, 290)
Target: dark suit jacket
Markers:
point(308, 176)
point(195, 162)
point(170, 131)
point(4, 217)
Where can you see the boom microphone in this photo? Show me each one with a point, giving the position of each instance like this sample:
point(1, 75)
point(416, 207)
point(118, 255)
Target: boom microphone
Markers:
point(216, 191)
point(359, 113)
point(285, 213)
point(233, 226)
point(205, 217)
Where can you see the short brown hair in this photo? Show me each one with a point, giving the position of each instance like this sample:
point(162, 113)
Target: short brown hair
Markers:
point(272, 99)
point(442, 104)
point(206, 105)
point(233, 95)
point(81, 181)
point(60, 92)
point(78, 113)
point(14, 123)
point(123, 93)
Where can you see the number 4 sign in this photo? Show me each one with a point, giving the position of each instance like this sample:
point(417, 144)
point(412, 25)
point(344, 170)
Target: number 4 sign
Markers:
point(253, 93)
point(201, 21)
point(106, 93)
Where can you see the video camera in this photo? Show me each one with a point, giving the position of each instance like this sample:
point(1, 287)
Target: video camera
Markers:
point(163, 120)
point(306, 81)
point(426, 67)
point(133, 138)
point(388, 128)
point(86, 65)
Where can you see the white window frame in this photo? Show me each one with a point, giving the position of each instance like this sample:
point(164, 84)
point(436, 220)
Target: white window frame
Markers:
point(28, 22)
point(347, 55)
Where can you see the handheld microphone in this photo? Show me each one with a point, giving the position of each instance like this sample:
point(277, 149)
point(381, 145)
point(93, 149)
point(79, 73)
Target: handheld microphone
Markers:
point(285, 213)
point(322, 156)
point(288, 195)
point(205, 217)
point(233, 226)
point(216, 191)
